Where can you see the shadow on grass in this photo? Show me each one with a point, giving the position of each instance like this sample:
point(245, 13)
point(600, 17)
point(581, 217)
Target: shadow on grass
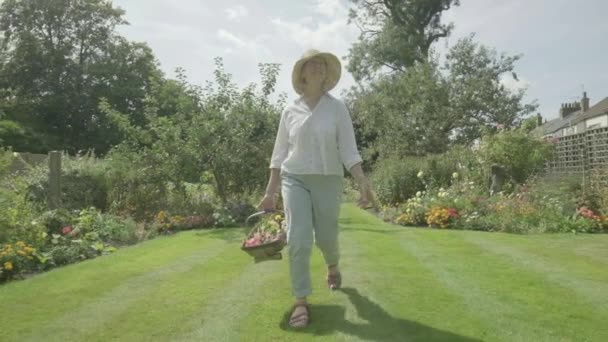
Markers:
point(380, 326)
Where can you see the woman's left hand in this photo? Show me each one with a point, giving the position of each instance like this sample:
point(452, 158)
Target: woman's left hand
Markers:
point(366, 199)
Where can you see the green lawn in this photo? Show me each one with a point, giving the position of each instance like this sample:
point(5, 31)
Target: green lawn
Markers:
point(399, 285)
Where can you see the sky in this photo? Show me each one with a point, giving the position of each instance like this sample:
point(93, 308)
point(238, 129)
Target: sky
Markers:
point(563, 43)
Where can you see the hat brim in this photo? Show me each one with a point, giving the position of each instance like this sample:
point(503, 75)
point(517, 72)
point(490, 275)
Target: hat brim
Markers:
point(334, 71)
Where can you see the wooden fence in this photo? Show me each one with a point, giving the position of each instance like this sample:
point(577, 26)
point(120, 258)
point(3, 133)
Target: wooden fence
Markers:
point(584, 154)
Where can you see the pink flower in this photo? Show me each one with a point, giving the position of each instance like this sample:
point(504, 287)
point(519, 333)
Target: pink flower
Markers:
point(252, 242)
point(587, 213)
point(452, 212)
point(66, 230)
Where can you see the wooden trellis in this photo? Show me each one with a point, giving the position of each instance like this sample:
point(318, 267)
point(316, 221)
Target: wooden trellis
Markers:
point(584, 154)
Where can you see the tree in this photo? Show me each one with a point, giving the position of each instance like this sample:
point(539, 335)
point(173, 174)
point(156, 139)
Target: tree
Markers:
point(218, 134)
point(395, 34)
point(404, 114)
point(427, 109)
point(478, 96)
point(59, 59)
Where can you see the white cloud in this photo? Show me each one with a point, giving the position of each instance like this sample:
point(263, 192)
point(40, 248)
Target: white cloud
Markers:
point(336, 35)
point(247, 48)
point(231, 38)
point(330, 8)
point(237, 12)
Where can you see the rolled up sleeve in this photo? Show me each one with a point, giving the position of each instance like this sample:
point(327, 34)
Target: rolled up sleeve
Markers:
point(281, 147)
point(347, 143)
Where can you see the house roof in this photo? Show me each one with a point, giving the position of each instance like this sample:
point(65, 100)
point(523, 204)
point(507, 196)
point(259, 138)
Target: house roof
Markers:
point(552, 126)
point(556, 124)
point(597, 109)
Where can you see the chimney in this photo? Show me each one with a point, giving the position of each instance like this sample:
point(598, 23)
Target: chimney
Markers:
point(569, 108)
point(539, 120)
point(585, 102)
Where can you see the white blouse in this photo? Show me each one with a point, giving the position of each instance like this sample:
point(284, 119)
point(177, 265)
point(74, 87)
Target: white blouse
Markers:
point(320, 141)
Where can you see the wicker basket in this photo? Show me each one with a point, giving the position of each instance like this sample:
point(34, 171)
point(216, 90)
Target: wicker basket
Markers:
point(267, 251)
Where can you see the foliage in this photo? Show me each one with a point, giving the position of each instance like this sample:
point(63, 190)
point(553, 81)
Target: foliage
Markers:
point(441, 217)
point(166, 223)
point(413, 212)
point(395, 34)
point(518, 153)
point(83, 183)
point(541, 205)
point(17, 259)
point(19, 216)
point(478, 96)
point(396, 180)
point(20, 138)
point(404, 114)
point(60, 58)
point(203, 142)
point(106, 227)
point(426, 109)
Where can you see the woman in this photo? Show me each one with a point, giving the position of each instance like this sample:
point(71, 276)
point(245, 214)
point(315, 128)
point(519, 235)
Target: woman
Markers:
point(315, 140)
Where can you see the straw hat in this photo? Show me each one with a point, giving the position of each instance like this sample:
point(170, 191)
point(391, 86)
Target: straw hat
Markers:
point(334, 70)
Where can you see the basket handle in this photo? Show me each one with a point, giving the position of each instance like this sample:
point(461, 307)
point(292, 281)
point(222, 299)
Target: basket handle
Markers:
point(263, 212)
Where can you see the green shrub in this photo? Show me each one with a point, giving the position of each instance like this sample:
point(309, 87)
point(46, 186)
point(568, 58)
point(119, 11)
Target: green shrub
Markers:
point(70, 253)
point(116, 230)
point(17, 259)
point(55, 220)
point(83, 183)
point(520, 154)
point(18, 218)
point(105, 227)
point(396, 180)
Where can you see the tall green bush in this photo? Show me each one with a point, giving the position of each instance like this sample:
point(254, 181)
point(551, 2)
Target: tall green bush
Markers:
point(518, 153)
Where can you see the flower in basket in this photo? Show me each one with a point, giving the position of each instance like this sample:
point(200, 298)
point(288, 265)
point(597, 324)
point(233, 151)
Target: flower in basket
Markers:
point(267, 230)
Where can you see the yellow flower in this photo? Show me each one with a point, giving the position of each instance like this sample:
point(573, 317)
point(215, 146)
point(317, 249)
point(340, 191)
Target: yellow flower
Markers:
point(29, 257)
point(8, 266)
point(21, 252)
point(29, 249)
point(20, 244)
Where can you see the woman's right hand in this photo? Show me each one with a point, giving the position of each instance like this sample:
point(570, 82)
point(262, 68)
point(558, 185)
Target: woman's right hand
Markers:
point(267, 203)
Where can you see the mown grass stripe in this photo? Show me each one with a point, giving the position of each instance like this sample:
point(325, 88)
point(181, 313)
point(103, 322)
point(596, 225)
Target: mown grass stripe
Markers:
point(59, 292)
point(524, 305)
point(593, 289)
point(583, 255)
point(176, 307)
point(96, 311)
point(399, 285)
point(221, 315)
point(403, 301)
